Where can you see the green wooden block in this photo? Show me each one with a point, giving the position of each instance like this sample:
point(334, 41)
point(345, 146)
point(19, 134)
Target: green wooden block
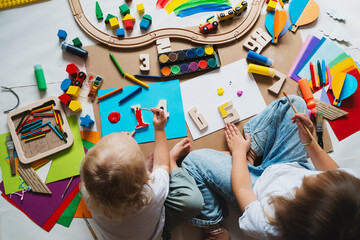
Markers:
point(108, 17)
point(99, 13)
point(124, 9)
point(77, 42)
point(148, 17)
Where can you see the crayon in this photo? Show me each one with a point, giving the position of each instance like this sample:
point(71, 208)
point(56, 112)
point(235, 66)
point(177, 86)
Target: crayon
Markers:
point(110, 93)
point(323, 71)
point(314, 79)
point(138, 89)
point(116, 63)
point(128, 76)
point(320, 73)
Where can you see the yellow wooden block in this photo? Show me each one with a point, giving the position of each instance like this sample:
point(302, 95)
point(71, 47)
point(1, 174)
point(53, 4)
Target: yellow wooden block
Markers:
point(128, 16)
point(271, 6)
point(222, 110)
point(75, 106)
point(114, 23)
point(140, 8)
point(73, 91)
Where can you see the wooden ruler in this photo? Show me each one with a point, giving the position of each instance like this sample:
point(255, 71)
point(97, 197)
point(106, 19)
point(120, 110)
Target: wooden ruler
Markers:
point(32, 179)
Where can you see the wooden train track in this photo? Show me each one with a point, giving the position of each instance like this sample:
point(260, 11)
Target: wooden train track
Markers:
point(181, 33)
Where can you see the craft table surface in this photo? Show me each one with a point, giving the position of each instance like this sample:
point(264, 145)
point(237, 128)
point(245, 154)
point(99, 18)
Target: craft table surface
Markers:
point(28, 37)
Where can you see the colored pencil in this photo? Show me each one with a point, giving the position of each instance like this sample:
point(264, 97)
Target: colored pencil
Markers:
point(116, 63)
point(110, 93)
point(128, 76)
point(90, 228)
point(70, 181)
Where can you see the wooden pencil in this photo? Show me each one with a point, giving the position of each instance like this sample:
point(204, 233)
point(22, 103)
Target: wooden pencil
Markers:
point(70, 181)
point(90, 228)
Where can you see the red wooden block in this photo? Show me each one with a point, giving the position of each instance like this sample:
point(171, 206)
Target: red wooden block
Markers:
point(65, 99)
point(72, 69)
point(128, 24)
point(128, 1)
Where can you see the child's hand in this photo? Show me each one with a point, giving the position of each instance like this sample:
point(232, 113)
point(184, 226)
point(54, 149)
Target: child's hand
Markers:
point(159, 119)
point(131, 134)
point(303, 135)
point(235, 139)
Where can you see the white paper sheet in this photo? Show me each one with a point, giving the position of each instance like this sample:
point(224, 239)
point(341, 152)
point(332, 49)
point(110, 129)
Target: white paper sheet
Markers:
point(201, 92)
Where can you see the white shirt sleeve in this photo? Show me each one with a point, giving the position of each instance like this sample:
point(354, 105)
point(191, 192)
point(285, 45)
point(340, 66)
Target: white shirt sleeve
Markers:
point(255, 223)
point(159, 183)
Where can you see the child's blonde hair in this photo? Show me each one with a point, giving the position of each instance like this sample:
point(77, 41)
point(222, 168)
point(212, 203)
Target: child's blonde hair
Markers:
point(115, 176)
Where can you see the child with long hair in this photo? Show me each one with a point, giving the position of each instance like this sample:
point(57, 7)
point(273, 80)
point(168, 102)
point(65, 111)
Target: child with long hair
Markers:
point(129, 202)
point(283, 196)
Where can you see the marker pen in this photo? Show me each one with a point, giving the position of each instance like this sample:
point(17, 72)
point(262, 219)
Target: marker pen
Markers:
point(40, 78)
point(258, 58)
point(74, 50)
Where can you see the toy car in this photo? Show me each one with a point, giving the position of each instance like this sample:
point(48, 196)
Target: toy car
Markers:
point(227, 14)
point(210, 24)
point(240, 7)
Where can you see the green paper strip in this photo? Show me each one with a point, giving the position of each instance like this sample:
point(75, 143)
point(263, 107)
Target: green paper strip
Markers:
point(87, 144)
point(68, 215)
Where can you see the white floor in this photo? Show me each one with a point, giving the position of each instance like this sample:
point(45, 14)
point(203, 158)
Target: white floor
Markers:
point(28, 37)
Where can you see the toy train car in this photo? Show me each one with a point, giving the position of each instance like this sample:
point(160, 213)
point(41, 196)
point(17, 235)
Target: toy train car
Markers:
point(210, 24)
point(230, 13)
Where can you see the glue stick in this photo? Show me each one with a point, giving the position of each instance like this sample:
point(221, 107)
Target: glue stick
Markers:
point(308, 96)
point(258, 58)
point(266, 71)
point(40, 78)
point(74, 50)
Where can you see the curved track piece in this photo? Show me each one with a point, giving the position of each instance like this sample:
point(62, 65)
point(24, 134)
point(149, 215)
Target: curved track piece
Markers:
point(17, 97)
point(187, 34)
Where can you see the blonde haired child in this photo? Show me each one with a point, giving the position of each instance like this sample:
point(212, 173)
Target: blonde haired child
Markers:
point(129, 202)
point(283, 197)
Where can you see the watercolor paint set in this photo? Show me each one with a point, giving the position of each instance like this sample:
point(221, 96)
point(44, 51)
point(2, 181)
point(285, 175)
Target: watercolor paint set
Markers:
point(189, 60)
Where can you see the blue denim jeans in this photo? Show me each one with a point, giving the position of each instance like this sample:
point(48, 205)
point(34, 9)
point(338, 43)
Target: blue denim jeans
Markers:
point(273, 137)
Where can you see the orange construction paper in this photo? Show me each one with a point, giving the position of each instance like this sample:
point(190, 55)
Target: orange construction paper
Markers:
point(91, 136)
point(82, 209)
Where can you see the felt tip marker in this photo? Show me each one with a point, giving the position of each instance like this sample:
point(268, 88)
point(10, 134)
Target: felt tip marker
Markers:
point(258, 58)
point(74, 50)
point(266, 71)
point(40, 78)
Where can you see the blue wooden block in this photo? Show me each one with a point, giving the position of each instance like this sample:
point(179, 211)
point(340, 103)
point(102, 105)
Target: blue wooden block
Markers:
point(120, 32)
point(65, 84)
point(86, 121)
point(144, 24)
point(62, 34)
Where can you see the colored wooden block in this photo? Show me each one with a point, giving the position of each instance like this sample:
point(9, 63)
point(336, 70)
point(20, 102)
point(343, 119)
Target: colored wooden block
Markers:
point(276, 87)
point(140, 8)
point(128, 16)
point(144, 24)
point(271, 6)
point(128, 24)
point(120, 32)
point(148, 17)
point(108, 17)
point(86, 121)
point(124, 9)
point(99, 13)
point(65, 84)
point(77, 42)
point(228, 113)
point(198, 119)
point(73, 91)
point(162, 105)
point(128, 1)
point(114, 23)
point(72, 69)
point(144, 62)
point(65, 99)
point(163, 45)
point(62, 34)
point(257, 41)
point(75, 106)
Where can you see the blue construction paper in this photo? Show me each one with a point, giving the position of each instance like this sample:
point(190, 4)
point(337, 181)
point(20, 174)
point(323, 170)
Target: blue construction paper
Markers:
point(147, 98)
point(328, 52)
point(269, 24)
point(296, 7)
point(309, 50)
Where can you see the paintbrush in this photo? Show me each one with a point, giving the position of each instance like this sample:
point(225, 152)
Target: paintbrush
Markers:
point(306, 128)
point(90, 228)
point(10, 148)
point(319, 128)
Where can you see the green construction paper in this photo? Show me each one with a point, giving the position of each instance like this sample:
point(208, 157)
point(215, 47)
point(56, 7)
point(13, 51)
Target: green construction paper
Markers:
point(66, 163)
point(87, 144)
point(68, 215)
point(338, 59)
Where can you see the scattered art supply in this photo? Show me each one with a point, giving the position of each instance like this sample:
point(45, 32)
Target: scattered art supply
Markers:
point(302, 12)
point(17, 98)
point(220, 91)
point(329, 112)
point(90, 228)
point(14, 3)
point(258, 58)
point(193, 7)
point(261, 70)
point(40, 78)
point(110, 93)
point(116, 63)
point(139, 117)
point(319, 128)
point(114, 117)
point(36, 145)
point(10, 148)
point(67, 186)
point(127, 96)
point(32, 179)
point(147, 76)
point(343, 86)
point(320, 73)
point(257, 41)
point(277, 23)
point(134, 79)
point(229, 113)
point(314, 78)
point(74, 50)
point(308, 96)
point(239, 93)
point(323, 72)
point(86, 121)
point(188, 60)
point(198, 119)
point(95, 85)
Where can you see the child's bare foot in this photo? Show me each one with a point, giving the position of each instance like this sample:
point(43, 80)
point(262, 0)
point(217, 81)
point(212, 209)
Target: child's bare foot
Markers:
point(150, 161)
point(178, 152)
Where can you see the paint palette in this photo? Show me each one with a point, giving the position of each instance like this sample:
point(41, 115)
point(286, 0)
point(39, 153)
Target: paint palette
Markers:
point(32, 150)
point(189, 60)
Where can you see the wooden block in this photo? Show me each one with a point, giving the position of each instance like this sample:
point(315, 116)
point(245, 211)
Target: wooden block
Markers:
point(73, 91)
point(163, 45)
point(258, 40)
point(228, 113)
point(198, 119)
point(139, 117)
point(114, 23)
point(75, 106)
point(276, 87)
point(65, 99)
point(140, 8)
point(145, 62)
point(162, 105)
point(128, 16)
point(271, 6)
point(128, 24)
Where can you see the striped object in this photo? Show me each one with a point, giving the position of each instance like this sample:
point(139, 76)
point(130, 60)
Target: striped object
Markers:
point(14, 3)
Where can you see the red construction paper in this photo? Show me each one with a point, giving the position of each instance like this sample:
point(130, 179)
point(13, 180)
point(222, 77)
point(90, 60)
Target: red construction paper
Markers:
point(349, 124)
